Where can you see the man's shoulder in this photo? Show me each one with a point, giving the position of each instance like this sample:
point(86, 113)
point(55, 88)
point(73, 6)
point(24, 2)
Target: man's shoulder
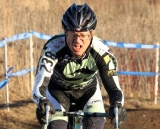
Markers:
point(56, 43)
point(99, 46)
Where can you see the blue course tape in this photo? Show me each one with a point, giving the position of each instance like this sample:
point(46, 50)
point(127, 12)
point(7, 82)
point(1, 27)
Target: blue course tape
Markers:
point(129, 45)
point(25, 71)
point(2, 43)
point(20, 73)
point(137, 73)
point(10, 69)
point(41, 35)
point(46, 37)
point(109, 43)
point(18, 37)
point(3, 83)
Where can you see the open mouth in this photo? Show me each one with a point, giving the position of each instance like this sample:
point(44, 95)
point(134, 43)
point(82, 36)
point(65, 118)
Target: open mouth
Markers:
point(77, 47)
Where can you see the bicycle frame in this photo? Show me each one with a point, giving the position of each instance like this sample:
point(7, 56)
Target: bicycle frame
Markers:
point(78, 116)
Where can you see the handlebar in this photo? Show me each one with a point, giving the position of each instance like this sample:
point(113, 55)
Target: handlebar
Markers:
point(47, 114)
point(116, 117)
point(80, 114)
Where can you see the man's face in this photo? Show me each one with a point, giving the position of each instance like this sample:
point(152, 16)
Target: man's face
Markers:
point(78, 42)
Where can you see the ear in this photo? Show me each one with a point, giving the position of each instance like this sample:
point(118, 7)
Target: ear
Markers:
point(92, 32)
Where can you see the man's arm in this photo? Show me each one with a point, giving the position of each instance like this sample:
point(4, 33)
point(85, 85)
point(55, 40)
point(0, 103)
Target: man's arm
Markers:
point(45, 68)
point(107, 66)
point(110, 80)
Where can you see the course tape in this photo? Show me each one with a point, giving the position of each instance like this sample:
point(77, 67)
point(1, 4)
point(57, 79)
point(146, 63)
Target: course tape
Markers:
point(3, 83)
point(25, 71)
point(10, 69)
point(20, 73)
point(2, 43)
point(41, 35)
point(137, 73)
point(46, 37)
point(18, 37)
point(129, 45)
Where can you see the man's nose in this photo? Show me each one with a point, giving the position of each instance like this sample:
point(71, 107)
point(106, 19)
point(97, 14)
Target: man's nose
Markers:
point(77, 38)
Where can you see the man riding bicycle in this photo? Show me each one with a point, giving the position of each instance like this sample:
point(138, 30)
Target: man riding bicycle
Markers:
point(68, 71)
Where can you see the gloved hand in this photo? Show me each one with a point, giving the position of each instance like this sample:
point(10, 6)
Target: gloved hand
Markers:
point(122, 114)
point(41, 110)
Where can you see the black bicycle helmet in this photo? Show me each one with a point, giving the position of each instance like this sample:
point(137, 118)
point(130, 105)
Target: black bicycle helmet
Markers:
point(79, 18)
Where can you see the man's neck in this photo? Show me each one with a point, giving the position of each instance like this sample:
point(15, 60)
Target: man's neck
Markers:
point(79, 57)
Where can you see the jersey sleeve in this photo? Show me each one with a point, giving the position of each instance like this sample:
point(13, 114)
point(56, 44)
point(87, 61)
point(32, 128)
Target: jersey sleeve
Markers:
point(107, 66)
point(110, 79)
point(44, 71)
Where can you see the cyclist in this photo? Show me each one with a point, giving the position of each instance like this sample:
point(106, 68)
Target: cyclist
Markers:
point(68, 72)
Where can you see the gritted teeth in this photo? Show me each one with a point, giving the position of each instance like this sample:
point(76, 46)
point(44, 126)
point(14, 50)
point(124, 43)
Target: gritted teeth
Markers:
point(78, 46)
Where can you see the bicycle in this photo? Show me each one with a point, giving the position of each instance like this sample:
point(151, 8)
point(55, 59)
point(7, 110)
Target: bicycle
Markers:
point(75, 121)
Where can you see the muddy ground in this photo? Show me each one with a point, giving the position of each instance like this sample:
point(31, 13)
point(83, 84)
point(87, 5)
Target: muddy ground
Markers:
point(21, 115)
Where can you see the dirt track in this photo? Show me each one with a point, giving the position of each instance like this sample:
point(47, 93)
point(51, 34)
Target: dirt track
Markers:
point(142, 119)
point(22, 116)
